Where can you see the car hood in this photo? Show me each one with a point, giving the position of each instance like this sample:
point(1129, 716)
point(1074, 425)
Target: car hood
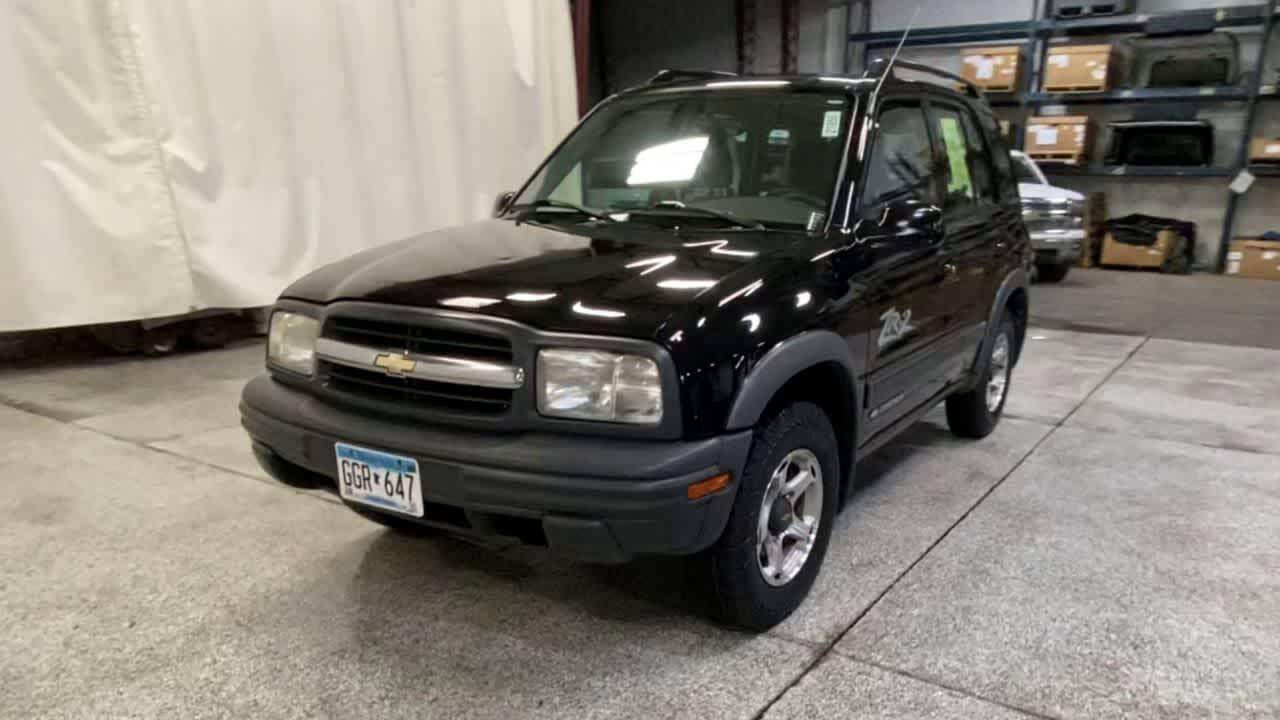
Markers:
point(624, 279)
point(1047, 192)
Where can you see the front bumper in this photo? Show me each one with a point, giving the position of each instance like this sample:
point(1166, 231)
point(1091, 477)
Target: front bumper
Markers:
point(590, 498)
point(1057, 247)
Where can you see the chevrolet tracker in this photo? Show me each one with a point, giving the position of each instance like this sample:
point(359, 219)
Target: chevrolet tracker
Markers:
point(678, 337)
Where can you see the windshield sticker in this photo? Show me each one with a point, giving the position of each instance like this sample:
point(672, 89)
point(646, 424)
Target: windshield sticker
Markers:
point(831, 123)
point(953, 138)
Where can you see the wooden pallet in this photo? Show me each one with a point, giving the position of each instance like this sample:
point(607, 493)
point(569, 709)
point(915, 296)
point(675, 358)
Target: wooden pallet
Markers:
point(1076, 89)
point(1066, 157)
point(1011, 87)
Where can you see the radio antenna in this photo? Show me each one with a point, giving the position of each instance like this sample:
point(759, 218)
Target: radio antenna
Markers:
point(893, 58)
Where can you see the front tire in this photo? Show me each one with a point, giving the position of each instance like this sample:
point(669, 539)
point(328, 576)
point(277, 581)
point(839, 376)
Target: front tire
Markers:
point(765, 562)
point(975, 413)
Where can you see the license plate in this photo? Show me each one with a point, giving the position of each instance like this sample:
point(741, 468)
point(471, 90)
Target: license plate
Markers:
point(383, 480)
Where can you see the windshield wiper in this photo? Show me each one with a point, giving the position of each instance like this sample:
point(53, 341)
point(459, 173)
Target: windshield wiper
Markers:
point(527, 209)
point(681, 208)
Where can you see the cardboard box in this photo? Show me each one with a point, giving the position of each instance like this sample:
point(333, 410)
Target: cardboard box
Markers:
point(994, 69)
point(1115, 252)
point(1264, 150)
point(1254, 258)
point(1078, 68)
point(1067, 137)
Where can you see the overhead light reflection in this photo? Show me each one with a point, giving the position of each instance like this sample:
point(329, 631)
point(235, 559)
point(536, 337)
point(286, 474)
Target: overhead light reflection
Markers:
point(678, 284)
point(653, 263)
point(675, 161)
point(470, 303)
point(804, 297)
point(741, 292)
point(748, 83)
point(677, 336)
point(530, 296)
point(752, 321)
point(720, 247)
point(581, 309)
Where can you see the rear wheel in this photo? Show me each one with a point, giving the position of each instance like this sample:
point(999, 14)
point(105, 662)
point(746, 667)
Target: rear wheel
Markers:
point(763, 565)
point(975, 413)
point(1052, 273)
point(210, 333)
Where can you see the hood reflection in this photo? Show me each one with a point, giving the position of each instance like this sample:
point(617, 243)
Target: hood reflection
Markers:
point(581, 309)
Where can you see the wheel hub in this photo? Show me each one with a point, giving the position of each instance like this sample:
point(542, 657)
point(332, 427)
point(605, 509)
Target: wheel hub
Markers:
point(780, 515)
point(998, 376)
point(789, 516)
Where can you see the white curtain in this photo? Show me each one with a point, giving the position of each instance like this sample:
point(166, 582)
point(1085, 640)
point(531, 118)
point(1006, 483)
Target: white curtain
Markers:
point(165, 156)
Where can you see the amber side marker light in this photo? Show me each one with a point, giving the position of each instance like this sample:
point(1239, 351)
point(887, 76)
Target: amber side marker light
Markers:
point(703, 488)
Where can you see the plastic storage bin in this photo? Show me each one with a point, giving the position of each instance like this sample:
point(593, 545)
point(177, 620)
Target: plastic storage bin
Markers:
point(1186, 61)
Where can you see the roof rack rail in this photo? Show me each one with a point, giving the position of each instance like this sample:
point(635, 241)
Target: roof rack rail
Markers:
point(666, 76)
point(969, 87)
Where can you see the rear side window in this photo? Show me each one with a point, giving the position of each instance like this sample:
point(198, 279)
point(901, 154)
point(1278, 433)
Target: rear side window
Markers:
point(900, 166)
point(979, 159)
point(967, 164)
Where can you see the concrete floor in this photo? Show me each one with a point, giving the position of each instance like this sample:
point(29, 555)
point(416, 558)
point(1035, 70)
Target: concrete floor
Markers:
point(1200, 307)
point(1110, 552)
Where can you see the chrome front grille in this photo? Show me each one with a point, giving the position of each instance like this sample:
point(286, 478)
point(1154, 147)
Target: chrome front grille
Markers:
point(403, 366)
point(378, 385)
point(418, 340)
point(1040, 215)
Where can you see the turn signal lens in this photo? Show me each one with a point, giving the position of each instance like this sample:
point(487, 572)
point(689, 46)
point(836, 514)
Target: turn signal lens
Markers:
point(703, 488)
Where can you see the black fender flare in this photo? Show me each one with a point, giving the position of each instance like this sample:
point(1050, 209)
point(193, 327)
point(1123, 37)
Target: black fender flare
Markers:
point(783, 362)
point(1015, 280)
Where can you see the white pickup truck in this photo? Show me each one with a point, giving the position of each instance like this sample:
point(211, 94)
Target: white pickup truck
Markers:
point(1054, 218)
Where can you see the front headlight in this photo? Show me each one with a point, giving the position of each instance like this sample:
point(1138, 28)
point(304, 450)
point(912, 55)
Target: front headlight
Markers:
point(599, 385)
point(291, 342)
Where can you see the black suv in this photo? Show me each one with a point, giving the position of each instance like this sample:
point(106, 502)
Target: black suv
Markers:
point(678, 337)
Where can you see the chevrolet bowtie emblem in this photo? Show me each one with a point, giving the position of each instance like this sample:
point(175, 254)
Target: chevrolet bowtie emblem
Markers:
point(395, 363)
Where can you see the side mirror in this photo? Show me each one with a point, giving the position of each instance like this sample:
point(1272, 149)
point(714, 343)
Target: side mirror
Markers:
point(500, 205)
point(926, 216)
point(911, 215)
point(906, 223)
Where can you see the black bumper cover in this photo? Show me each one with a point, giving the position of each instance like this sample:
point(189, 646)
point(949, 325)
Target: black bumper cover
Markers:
point(596, 499)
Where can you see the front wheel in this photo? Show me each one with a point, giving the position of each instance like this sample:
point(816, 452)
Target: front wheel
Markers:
point(766, 560)
point(975, 413)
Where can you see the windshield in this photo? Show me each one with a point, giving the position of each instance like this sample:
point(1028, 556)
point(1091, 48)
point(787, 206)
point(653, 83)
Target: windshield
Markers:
point(1025, 171)
point(768, 157)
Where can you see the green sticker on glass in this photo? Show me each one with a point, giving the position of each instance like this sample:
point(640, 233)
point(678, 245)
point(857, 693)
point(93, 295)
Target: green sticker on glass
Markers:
point(957, 155)
point(831, 123)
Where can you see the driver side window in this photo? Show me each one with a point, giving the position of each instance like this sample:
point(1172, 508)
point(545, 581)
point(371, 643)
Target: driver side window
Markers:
point(901, 164)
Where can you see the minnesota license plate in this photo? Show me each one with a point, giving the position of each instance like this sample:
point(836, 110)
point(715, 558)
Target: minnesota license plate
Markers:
point(379, 479)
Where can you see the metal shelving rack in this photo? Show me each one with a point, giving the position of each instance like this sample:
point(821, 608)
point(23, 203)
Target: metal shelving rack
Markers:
point(1038, 34)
